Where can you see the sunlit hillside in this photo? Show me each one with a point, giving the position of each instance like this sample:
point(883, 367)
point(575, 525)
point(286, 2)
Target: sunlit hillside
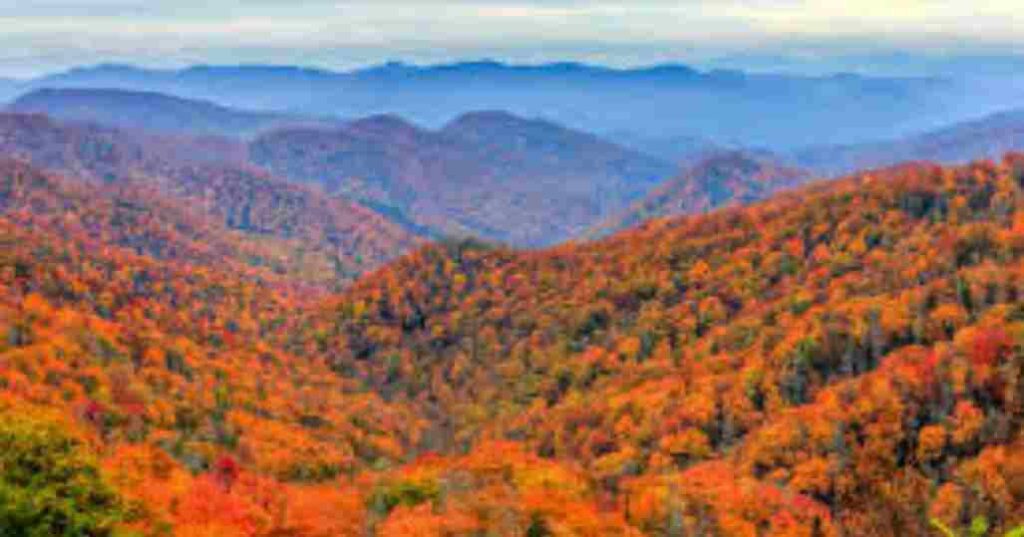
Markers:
point(841, 359)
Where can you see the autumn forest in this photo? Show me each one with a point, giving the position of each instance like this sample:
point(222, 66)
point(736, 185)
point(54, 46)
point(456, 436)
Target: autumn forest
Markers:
point(289, 302)
point(841, 359)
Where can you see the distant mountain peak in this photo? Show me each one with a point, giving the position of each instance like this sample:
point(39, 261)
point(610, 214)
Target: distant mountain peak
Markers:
point(388, 68)
point(112, 93)
point(151, 111)
point(385, 124)
point(489, 173)
point(484, 63)
point(257, 68)
point(666, 99)
point(108, 67)
point(485, 117)
point(669, 68)
point(495, 126)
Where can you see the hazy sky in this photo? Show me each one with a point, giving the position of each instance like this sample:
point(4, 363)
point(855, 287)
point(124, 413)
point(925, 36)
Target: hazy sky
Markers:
point(44, 35)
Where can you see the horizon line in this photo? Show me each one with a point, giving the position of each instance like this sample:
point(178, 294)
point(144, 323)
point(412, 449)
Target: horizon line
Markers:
point(482, 61)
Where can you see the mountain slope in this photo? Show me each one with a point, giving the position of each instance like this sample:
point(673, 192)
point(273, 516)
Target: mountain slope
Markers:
point(325, 238)
point(155, 332)
point(489, 174)
point(723, 179)
point(987, 137)
point(841, 356)
point(841, 359)
point(130, 216)
point(151, 112)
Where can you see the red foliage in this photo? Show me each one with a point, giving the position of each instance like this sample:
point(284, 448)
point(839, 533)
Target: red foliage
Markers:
point(838, 360)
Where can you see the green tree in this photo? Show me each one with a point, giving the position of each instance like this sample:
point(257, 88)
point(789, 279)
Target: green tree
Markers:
point(49, 484)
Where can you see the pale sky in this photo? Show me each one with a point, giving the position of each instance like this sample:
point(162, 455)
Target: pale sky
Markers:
point(46, 35)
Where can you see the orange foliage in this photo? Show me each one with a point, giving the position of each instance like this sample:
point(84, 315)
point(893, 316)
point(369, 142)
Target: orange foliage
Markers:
point(843, 359)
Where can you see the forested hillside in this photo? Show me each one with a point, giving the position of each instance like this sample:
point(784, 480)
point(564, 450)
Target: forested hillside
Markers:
point(843, 359)
point(324, 239)
point(149, 332)
point(839, 358)
point(721, 179)
point(486, 174)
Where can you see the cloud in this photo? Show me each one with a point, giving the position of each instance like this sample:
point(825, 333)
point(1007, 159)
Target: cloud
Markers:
point(345, 32)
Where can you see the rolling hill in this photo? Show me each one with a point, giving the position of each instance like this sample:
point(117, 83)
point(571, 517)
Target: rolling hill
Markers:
point(487, 174)
point(722, 179)
point(986, 137)
point(841, 359)
point(329, 239)
point(142, 310)
point(154, 112)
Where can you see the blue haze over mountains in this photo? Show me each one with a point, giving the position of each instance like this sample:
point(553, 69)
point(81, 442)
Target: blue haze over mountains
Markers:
point(657, 104)
point(530, 155)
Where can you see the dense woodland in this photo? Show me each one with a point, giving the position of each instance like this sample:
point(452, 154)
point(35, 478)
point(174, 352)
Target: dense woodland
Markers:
point(719, 179)
point(484, 174)
point(320, 239)
point(843, 359)
point(524, 180)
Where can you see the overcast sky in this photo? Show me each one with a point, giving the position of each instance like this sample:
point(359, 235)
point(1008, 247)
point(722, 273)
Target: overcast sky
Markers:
point(45, 35)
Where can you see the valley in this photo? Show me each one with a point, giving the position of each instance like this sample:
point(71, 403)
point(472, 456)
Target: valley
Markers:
point(255, 317)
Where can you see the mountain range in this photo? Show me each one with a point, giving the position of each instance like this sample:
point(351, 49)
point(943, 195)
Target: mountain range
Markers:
point(474, 320)
point(488, 174)
point(493, 174)
point(840, 359)
point(985, 137)
point(155, 112)
point(667, 101)
point(329, 239)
